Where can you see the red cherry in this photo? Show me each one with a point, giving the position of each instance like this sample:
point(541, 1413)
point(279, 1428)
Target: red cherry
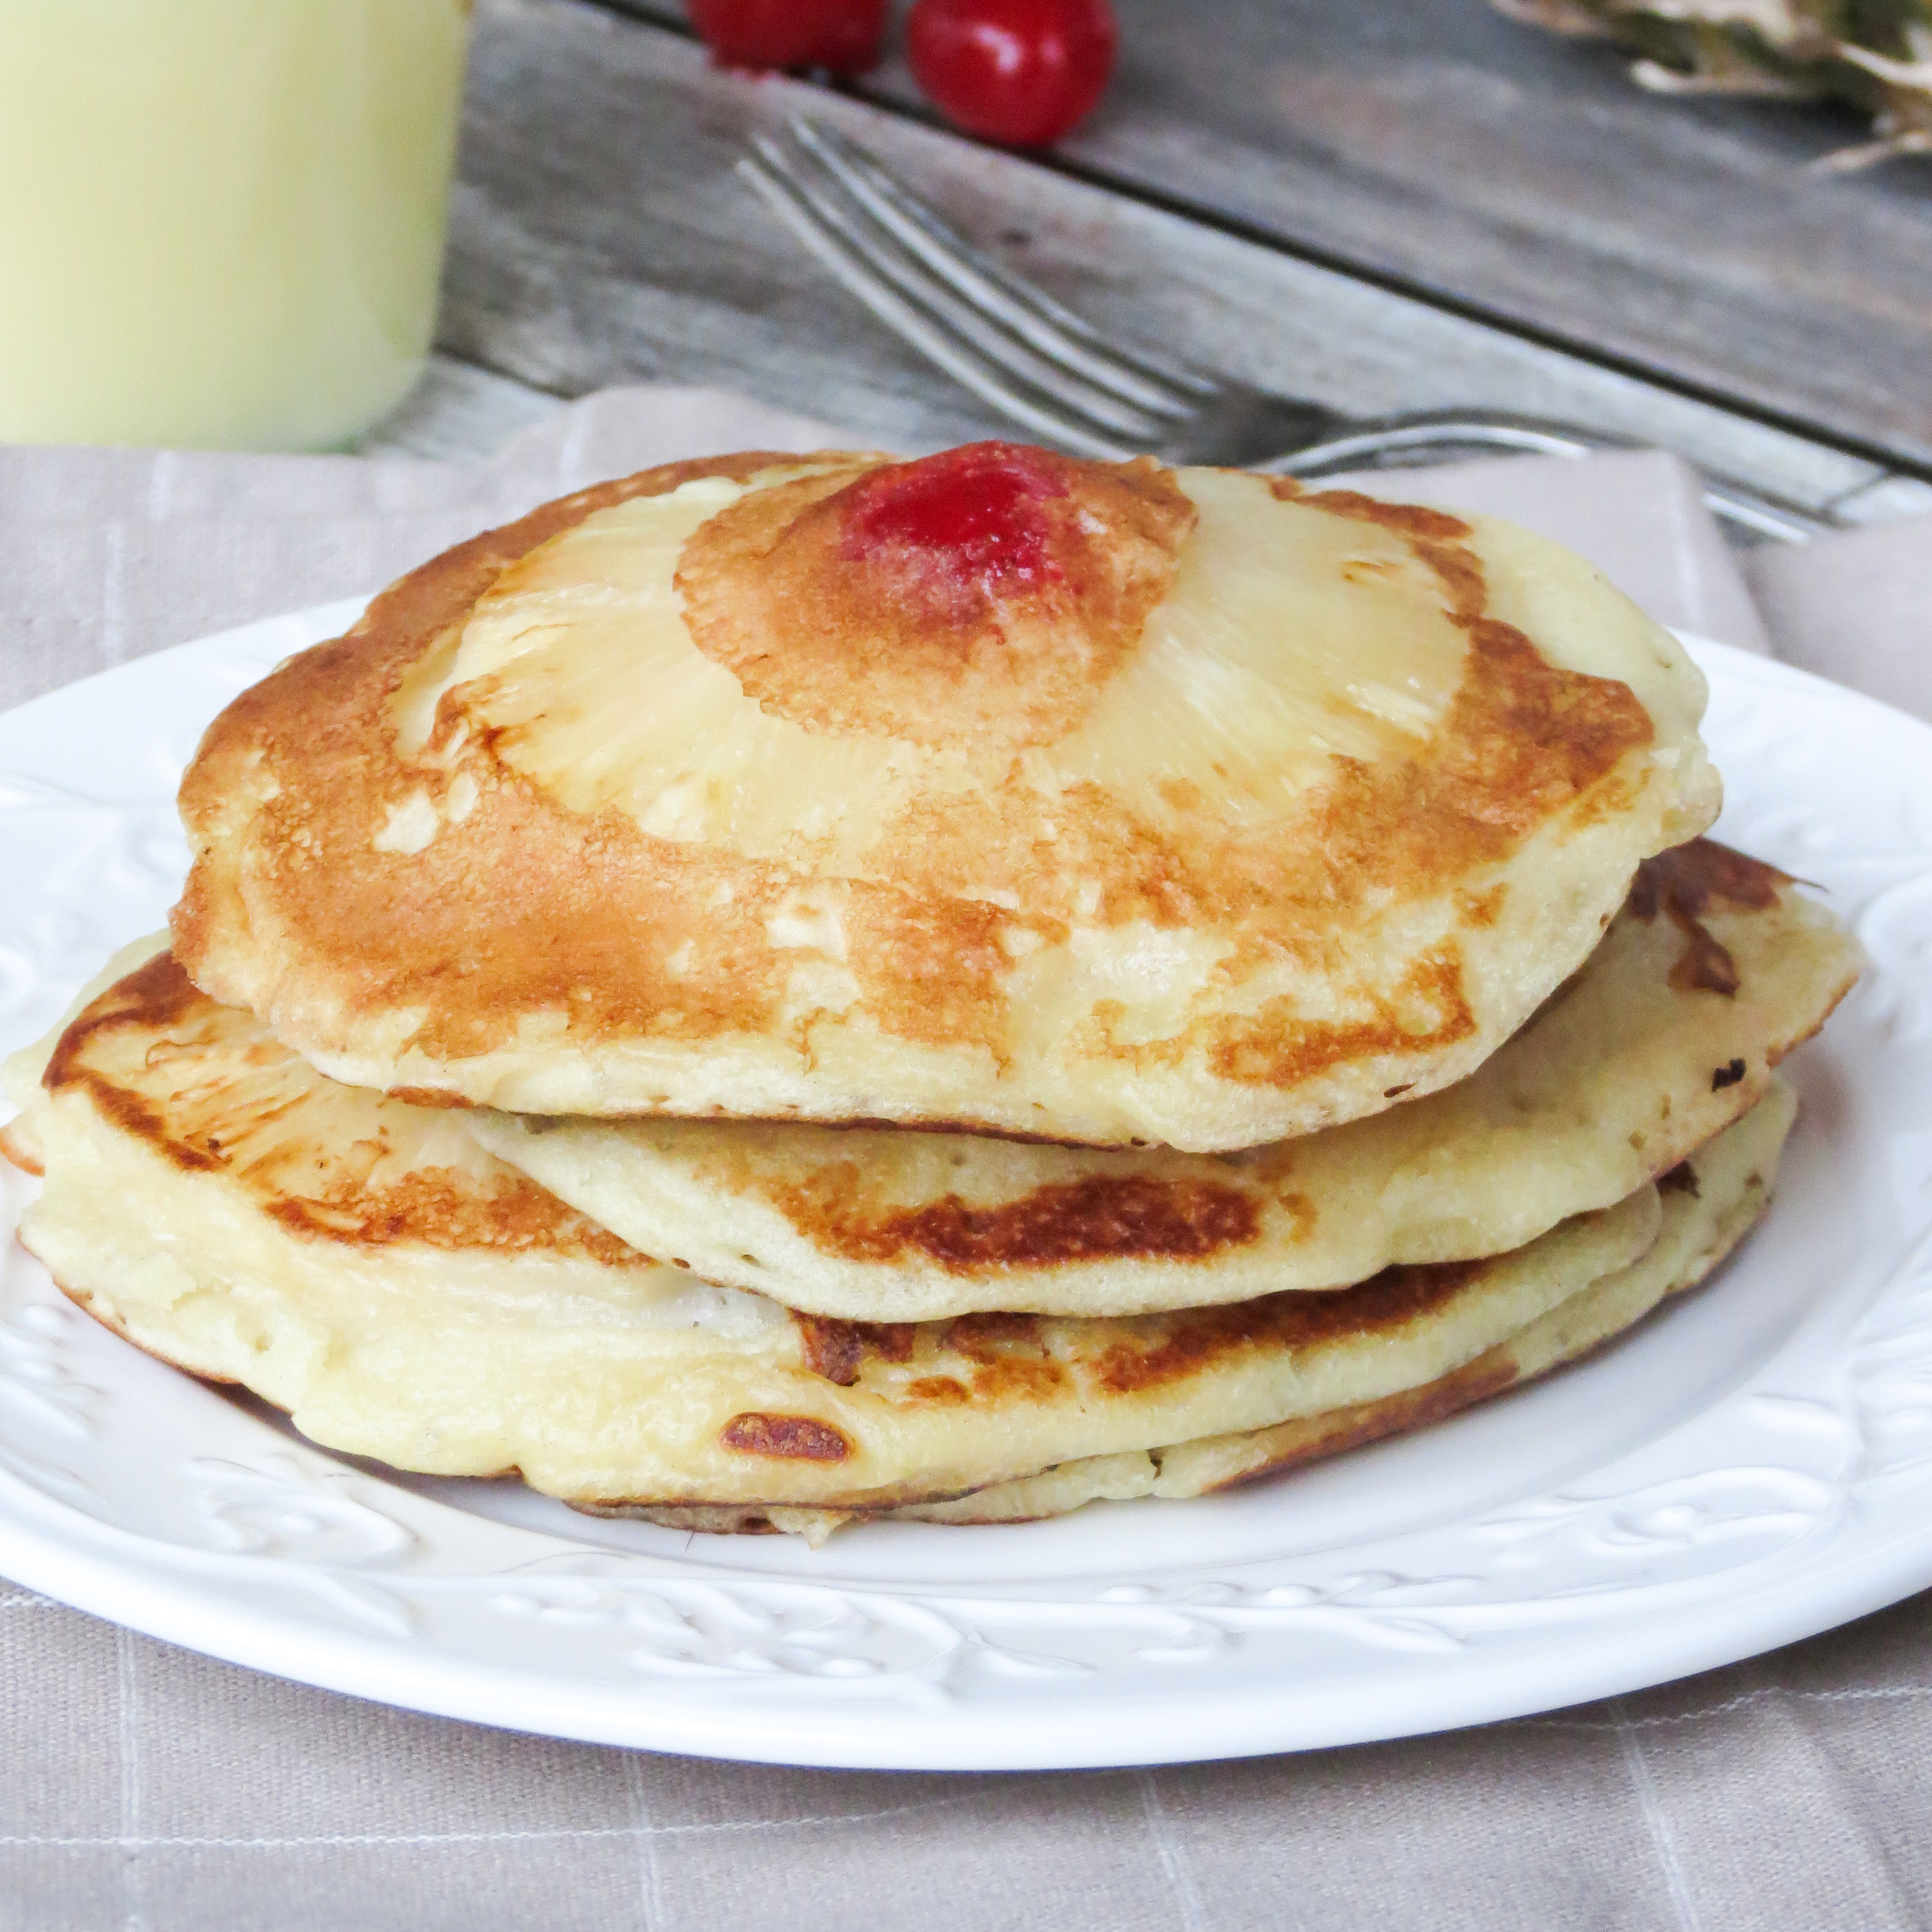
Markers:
point(843, 35)
point(957, 527)
point(1022, 72)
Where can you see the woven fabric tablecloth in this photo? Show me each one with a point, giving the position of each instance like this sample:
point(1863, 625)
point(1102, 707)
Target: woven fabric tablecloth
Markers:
point(144, 1788)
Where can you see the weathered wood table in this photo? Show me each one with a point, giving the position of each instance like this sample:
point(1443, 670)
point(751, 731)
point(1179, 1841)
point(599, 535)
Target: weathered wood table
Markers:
point(1384, 206)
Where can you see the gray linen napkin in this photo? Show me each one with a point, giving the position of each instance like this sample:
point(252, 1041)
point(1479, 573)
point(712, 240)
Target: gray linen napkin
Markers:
point(105, 554)
point(143, 1786)
point(1856, 608)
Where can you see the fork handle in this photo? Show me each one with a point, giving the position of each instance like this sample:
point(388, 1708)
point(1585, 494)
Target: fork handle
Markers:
point(1248, 426)
point(1370, 445)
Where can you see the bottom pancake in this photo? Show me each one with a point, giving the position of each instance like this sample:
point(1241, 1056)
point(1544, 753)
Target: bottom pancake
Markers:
point(1710, 1204)
point(361, 1264)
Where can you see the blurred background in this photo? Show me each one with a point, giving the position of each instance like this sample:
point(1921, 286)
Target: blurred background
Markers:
point(1401, 205)
point(1467, 167)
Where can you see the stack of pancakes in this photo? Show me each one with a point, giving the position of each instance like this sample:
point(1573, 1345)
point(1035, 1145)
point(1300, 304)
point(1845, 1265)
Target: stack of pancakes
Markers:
point(785, 988)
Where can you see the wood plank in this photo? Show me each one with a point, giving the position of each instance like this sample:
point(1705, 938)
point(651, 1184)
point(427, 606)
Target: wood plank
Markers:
point(600, 236)
point(1523, 177)
point(1526, 175)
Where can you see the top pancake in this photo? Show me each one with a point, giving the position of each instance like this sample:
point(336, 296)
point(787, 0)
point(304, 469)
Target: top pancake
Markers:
point(1103, 803)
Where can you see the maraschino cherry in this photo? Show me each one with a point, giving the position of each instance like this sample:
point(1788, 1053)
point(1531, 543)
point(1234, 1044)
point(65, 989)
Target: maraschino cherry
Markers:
point(841, 36)
point(960, 527)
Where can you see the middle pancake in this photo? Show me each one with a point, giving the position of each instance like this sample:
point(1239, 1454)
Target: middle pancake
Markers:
point(1715, 970)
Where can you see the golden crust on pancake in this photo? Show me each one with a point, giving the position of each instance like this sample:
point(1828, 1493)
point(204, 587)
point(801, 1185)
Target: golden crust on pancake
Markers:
point(217, 1094)
point(1715, 969)
point(360, 1263)
point(1712, 1202)
point(20, 1072)
point(1099, 803)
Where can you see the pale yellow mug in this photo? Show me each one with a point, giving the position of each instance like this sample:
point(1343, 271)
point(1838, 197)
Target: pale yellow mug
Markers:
point(221, 221)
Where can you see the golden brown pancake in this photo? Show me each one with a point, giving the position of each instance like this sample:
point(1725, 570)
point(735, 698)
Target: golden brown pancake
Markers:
point(1715, 969)
point(1101, 803)
point(1710, 1202)
point(361, 1263)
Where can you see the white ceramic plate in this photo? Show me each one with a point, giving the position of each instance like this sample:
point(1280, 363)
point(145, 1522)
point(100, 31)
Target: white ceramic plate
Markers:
point(1753, 1465)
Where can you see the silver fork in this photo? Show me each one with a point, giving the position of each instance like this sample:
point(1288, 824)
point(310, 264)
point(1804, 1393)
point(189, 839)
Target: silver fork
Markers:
point(1048, 369)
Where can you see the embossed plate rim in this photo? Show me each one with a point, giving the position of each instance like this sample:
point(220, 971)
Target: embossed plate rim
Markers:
point(249, 1546)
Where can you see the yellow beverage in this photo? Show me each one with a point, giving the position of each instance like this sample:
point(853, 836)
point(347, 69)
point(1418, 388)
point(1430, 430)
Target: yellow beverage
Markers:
point(220, 221)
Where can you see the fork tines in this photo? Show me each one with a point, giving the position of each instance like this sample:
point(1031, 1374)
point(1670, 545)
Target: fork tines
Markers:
point(1033, 360)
